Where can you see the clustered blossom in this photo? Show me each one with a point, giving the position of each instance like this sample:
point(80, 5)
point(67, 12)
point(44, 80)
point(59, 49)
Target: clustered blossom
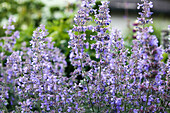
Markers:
point(117, 80)
point(10, 38)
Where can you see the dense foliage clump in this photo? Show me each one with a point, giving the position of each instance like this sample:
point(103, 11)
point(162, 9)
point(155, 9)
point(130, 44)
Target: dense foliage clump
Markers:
point(117, 80)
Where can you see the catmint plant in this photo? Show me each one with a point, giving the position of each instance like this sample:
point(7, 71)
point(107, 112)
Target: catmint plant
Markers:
point(7, 45)
point(79, 58)
point(118, 80)
point(117, 72)
point(98, 72)
point(43, 86)
point(147, 71)
point(10, 39)
point(96, 85)
point(121, 83)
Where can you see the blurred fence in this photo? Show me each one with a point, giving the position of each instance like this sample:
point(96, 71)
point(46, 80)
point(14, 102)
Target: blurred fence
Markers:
point(162, 6)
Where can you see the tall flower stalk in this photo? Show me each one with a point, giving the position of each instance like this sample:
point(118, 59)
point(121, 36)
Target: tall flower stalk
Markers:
point(102, 19)
point(147, 69)
point(79, 58)
point(42, 82)
point(7, 45)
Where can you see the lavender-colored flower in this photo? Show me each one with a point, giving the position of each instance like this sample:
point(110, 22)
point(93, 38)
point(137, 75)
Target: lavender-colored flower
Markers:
point(9, 39)
point(9, 26)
